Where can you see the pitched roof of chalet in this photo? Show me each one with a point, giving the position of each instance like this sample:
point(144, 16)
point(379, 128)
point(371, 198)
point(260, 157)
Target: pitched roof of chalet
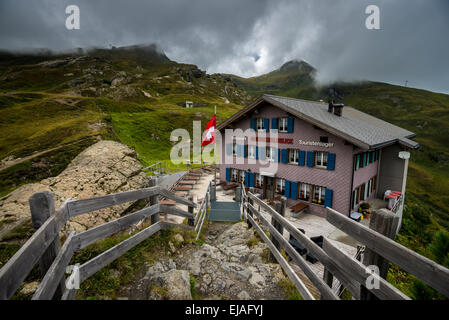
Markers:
point(359, 128)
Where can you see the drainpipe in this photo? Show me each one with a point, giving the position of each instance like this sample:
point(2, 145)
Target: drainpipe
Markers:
point(404, 155)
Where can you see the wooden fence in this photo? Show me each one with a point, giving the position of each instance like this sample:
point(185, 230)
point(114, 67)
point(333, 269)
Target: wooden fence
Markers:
point(352, 274)
point(203, 211)
point(44, 245)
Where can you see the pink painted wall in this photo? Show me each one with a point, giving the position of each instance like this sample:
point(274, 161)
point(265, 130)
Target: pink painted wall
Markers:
point(339, 180)
point(364, 174)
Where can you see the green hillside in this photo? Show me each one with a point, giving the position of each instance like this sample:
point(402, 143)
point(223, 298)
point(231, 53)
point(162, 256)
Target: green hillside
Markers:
point(63, 103)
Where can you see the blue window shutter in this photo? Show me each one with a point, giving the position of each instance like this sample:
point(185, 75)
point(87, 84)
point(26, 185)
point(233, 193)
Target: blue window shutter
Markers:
point(246, 179)
point(363, 160)
point(357, 163)
point(328, 198)
point(279, 155)
point(257, 152)
point(302, 158)
point(238, 150)
point(287, 189)
point(274, 123)
point(228, 174)
point(290, 123)
point(251, 179)
point(310, 158)
point(294, 190)
point(266, 124)
point(245, 151)
point(276, 155)
point(331, 161)
point(262, 153)
point(253, 124)
point(228, 149)
point(284, 156)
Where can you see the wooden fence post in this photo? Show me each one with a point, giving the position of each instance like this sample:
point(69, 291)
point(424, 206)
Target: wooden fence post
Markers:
point(42, 206)
point(213, 192)
point(385, 222)
point(154, 200)
point(238, 194)
point(279, 207)
point(191, 221)
point(249, 212)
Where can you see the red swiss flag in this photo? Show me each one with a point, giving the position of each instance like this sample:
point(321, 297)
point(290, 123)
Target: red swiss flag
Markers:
point(210, 132)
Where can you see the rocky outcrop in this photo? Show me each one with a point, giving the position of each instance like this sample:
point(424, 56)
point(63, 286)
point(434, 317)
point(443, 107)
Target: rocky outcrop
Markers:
point(227, 267)
point(103, 168)
point(163, 281)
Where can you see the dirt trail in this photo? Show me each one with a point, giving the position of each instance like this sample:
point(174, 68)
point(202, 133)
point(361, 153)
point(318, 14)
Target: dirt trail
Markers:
point(7, 164)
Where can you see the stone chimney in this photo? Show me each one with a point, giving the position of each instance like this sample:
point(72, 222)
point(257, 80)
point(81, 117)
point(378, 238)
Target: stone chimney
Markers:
point(331, 106)
point(338, 109)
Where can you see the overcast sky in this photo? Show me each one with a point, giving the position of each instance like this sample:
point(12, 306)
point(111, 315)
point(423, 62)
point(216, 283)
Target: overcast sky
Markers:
point(252, 37)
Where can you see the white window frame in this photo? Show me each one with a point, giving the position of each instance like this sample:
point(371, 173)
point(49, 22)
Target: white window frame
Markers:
point(260, 125)
point(252, 151)
point(321, 193)
point(283, 124)
point(242, 176)
point(304, 187)
point(270, 153)
point(321, 158)
point(295, 156)
point(280, 184)
point(259, 180)
point(234, 175)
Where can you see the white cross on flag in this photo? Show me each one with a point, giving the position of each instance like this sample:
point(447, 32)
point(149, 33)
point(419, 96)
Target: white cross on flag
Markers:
point(209, 137)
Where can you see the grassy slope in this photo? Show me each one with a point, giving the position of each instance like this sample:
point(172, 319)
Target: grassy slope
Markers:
point(41, 108)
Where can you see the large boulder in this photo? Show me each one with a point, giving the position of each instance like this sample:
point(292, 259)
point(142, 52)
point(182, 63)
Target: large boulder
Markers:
point(103, 168)
point(171, 285)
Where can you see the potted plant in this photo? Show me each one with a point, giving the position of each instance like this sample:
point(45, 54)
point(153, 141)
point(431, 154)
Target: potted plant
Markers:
point(365, 209)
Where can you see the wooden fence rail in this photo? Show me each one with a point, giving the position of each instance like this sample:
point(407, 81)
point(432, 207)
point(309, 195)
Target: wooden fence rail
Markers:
point(423, 268)
point(351, 273)
point(43, 246)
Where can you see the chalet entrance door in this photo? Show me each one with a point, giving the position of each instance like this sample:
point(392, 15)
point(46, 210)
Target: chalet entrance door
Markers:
point(269, 187)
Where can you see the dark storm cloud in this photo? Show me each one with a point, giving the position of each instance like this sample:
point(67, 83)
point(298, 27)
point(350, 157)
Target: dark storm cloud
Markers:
point(250, 37)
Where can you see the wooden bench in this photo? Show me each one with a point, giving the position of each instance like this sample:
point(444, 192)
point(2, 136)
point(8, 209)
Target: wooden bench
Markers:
point(300, 206)
point(182, 188)
point(186, 182)
point(277, 198)
point(230, 186)
point(188, 177)
point(181, 193)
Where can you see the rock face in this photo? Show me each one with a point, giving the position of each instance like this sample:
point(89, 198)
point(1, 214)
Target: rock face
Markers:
point(103, 168)
point(163, 281)
point(229, 268)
